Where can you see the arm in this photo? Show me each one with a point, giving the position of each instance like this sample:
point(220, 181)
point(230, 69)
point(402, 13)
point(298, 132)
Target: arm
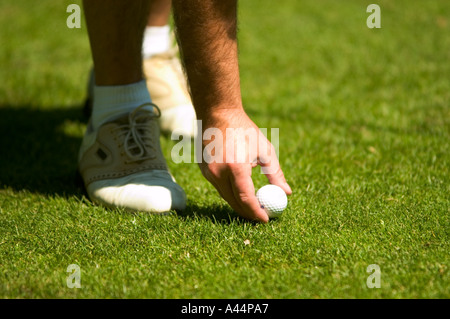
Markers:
point(207, 33)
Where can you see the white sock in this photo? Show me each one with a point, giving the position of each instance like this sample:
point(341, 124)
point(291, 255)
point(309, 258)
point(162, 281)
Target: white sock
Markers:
point(112, 101)
point(156, 40)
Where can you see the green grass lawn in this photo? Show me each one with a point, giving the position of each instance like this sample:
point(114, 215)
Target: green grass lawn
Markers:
point(364, 118)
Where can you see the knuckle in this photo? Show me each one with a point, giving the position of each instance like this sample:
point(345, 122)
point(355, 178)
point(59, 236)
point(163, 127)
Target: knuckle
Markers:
point(244, 198)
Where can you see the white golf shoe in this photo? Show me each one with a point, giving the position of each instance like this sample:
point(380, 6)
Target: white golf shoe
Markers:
point(122, 165)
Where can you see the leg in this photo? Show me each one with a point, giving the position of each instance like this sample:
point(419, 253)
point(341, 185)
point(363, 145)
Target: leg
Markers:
point(115, 32)
point(159, 13)
point(157, 38)
point(162, 69)
point(165, 79)
point(120, 158)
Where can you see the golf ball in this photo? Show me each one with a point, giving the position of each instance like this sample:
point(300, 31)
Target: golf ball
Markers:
point(272, 199)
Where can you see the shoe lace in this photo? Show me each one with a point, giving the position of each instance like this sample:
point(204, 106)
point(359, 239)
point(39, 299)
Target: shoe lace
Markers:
point(138, 142)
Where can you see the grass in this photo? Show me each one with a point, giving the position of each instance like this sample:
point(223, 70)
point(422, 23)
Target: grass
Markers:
point(364, 124)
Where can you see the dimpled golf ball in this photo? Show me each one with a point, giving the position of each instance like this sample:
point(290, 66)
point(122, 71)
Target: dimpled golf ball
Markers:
point(272, 199)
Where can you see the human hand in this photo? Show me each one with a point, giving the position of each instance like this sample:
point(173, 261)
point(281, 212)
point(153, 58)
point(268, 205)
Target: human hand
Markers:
point(231, 176)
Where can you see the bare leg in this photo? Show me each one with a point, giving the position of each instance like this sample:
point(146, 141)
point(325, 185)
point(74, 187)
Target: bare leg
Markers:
point(120, 158)
point(165, 79)
point(115, 32)
point(159, 13)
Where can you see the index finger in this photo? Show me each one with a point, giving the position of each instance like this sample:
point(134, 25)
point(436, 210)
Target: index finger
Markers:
point(270, 166)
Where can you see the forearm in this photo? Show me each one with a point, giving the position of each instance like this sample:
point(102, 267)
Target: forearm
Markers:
point(207, 33)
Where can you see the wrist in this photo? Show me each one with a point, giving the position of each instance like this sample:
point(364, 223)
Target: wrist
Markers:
point(219, 114)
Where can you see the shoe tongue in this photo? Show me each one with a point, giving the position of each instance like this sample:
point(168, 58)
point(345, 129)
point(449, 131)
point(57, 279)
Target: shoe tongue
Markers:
point(120, 119)
point(146, 107)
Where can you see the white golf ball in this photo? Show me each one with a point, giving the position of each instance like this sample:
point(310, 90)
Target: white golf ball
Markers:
point(272, 199)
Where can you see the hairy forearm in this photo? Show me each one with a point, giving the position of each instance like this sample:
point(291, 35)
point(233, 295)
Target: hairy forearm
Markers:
point(207, 34)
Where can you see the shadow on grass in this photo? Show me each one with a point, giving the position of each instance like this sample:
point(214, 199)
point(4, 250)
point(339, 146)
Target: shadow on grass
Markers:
point(36, 153)
point(217, 214)
point(39, 156)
